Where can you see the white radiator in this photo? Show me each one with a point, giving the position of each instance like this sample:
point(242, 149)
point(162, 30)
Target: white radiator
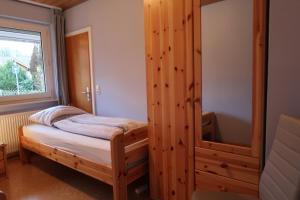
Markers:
point(9, 129)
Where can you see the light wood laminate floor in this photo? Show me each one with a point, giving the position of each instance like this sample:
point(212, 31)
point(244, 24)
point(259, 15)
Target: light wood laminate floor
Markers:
point(45, 180)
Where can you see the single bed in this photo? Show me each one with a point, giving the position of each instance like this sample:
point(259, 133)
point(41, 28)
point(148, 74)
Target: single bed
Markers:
point(117, 162)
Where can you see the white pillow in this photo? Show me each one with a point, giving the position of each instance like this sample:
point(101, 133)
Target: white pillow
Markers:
point(49, 116)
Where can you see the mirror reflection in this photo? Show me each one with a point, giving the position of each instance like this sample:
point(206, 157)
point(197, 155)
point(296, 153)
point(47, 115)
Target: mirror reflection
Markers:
point(227, 45)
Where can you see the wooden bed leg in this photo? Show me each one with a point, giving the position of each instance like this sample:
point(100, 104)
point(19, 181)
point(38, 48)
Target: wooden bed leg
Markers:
point(118, 167)
point(23, 153)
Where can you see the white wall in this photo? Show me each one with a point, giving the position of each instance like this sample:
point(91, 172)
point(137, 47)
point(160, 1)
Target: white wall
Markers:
point(227, 28)
point(118, 51)
point(284, 64)
point(9, 8)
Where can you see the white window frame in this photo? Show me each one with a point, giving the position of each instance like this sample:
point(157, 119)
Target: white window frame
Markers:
point(50, 94)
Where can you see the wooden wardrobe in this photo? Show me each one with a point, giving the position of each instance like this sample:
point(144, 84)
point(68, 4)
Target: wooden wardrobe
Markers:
point(182, 157)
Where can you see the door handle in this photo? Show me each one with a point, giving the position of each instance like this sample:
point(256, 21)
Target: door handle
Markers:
point(87, 93)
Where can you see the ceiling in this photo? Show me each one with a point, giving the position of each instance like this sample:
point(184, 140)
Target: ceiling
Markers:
point(63, 4)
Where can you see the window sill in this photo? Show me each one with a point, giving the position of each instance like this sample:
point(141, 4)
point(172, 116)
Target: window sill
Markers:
point(26, 106)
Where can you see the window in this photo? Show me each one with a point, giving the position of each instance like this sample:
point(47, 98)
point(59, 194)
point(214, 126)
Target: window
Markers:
point(25, 62)
point(21, 63)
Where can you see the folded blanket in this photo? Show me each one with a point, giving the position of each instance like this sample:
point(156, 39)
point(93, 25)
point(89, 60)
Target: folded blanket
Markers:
point(97, 126)
point(74, 120)
point(49, 116)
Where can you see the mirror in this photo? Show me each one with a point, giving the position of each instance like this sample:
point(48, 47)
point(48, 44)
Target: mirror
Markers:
point(227, 65)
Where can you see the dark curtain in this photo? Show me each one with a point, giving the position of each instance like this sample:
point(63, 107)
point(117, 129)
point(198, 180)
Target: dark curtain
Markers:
point(58, 21)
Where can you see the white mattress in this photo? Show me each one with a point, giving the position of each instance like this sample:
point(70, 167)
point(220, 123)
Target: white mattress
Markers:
point(93, 149)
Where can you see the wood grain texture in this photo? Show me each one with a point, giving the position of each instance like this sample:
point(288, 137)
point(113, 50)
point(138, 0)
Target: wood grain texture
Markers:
point(169, 36)
point(258, 83)
point(198, 91)
point(136, 135)
point(118, 167)
point(3, 161)
point(79, 74)
point(229, 167)
point(137, 152)
point(115, 174)
point(211, 182)
point(64, 4)
point(259, 31)
point(240, 160)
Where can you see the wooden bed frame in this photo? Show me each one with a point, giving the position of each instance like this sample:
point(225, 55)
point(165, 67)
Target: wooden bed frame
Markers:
point(117, 175)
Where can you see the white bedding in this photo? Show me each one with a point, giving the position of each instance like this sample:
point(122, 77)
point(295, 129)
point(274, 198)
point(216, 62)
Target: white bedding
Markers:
point(77, 121)
point(96, 150)
point(97, 126)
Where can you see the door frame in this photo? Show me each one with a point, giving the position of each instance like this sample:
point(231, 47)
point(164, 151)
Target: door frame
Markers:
point(89, 31)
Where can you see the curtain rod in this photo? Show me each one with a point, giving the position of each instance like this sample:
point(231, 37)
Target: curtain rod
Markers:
point(40, 4)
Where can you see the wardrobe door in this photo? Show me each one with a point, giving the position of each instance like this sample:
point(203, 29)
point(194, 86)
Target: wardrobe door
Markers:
point(229, 93)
